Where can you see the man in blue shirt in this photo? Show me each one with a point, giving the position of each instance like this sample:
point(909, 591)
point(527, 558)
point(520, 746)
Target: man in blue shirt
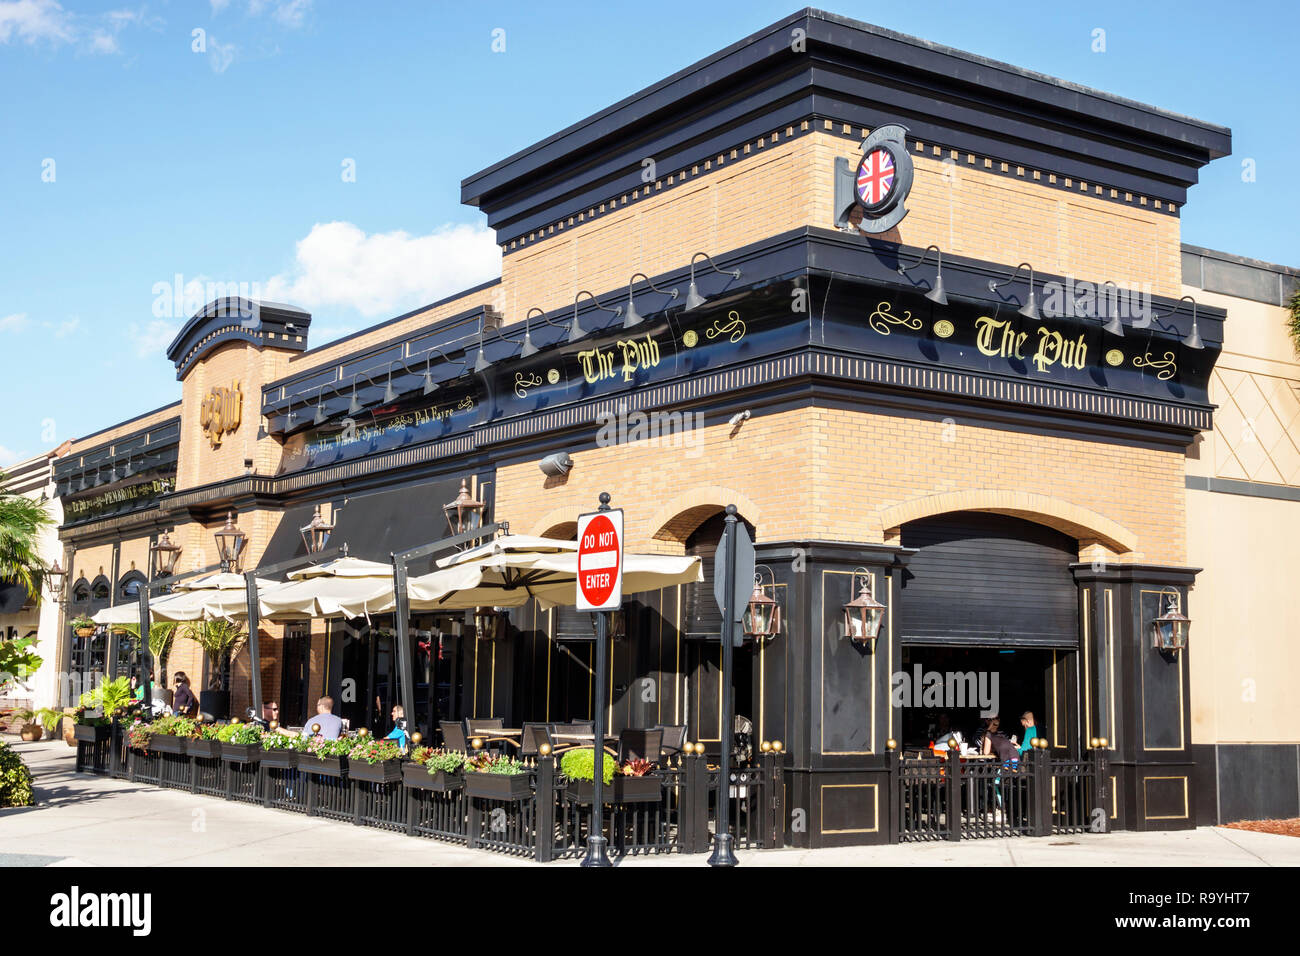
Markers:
point(330, 726)
point(398, 732)
point(1031, 731)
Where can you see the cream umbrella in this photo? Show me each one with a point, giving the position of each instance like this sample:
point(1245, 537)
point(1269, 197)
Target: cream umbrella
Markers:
point(220, 596)
point(344, 587)
point(129, 613)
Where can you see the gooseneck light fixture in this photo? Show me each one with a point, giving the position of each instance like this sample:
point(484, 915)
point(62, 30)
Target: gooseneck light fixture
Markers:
point(1112, 325)
point(320, 416)
point(1192, 339)
point(354, 406)
point(863, 614)
point(575, 330)
point(528, 348)
point(1030, 309)
point(1169, 630)
point(937, 295)
point(429, 386)
point(633, 317)
point(693, 298)
point(482, 363)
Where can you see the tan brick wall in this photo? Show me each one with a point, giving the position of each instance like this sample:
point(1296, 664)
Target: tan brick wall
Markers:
point(831, 474)
point(125, 428)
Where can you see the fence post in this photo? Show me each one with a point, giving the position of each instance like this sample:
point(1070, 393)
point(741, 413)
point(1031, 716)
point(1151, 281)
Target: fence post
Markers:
point(1040, 799)
point(356, 802)
point(311, 795)
point(1098, 814)
point(544, 811)
point(775, 774)
point(473, 823)
point(953, 779)
point(264, 782)
point(194, 774)
point(894, 764)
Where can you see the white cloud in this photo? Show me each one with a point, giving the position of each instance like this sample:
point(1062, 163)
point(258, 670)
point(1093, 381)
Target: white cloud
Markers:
point(8, 457)
point(64, 328)
point(384, 274)
point(220, 55)
point(152, 338)
point(45, 21)
point(218, 5)
point(15, 322)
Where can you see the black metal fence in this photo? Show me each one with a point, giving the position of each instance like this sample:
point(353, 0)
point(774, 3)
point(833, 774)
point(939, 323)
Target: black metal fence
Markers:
point(962, 799)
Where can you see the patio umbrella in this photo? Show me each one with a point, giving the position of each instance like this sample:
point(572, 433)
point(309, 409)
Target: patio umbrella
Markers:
point(331, 589)
point(128, 613)
point(212, 596)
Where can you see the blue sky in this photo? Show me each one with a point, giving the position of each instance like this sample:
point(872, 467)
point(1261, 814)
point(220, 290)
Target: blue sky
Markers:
point(127, 157)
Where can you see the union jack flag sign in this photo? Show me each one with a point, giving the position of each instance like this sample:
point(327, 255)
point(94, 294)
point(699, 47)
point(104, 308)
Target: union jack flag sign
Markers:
point(875, 177)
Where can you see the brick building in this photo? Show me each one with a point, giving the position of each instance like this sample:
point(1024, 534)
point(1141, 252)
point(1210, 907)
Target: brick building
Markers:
point(1000, 433)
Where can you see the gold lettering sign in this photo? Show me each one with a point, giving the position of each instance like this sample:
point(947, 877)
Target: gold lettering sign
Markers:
point(598, 364)
point(220, 412)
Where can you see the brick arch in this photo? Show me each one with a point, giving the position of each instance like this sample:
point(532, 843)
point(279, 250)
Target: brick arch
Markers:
point(1080, 523)
point(554, 521)
point(677, 519)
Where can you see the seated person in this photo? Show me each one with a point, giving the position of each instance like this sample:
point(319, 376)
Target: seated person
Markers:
point(398, 732)
point(997, 743)
point(1031, 730)
point(330, 726)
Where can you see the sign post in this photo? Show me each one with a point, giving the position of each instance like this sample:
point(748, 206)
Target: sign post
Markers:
point(731, 597)
point(600, 589)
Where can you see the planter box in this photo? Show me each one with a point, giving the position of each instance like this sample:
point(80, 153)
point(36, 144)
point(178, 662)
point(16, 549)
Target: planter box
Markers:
point(166, 744)
point(414, 775)
point(280, 758)
point(498, 786)
point(91, 733)
point(241, 753)
point(203, 748)
point(325, 766)
point(386, 771)
point(647, 789)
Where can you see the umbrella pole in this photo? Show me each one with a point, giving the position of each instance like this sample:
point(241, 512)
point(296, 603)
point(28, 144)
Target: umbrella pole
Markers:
point(402, 625)
point(250, 595)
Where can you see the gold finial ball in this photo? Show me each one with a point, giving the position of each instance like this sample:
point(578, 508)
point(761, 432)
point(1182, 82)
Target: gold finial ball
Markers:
point(1042, 742)
point(1103, 743)
point(891, 744)
point(1094, 742)
point(363, 732)
point(477, 743)
point(315, 728)
point(952, 743)
point(777, 746)
point(699, 749)
point(544, 749)
point(765, 746)
point(688, 748)
point(416, 738)
point(272, 725)
point(234, 720)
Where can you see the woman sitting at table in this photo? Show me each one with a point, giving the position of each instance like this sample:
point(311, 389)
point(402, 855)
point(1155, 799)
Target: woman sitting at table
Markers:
point(997, 743)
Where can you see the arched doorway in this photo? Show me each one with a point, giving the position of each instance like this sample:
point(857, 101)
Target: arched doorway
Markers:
point(989, 624)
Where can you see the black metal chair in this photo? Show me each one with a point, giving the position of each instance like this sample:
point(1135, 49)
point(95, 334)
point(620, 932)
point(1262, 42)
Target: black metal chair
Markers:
point(482, 726)
point(534, 736)
point(635, 743)
point(453, 735)
point(674, 739)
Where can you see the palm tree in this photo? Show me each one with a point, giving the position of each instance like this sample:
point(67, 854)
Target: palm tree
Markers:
point(22, 520)
point(161, 635)
point(221, 642)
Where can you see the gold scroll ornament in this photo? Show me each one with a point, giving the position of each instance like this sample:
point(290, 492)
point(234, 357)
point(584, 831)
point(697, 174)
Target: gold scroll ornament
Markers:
point(883, 318)
point(220, 412)
point(1165, 369)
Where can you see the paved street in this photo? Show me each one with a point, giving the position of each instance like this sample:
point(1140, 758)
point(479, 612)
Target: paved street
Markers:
point(82, 820)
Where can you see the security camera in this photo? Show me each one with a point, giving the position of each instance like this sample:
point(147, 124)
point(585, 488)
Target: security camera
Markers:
point(739, 417)
point(557, 465)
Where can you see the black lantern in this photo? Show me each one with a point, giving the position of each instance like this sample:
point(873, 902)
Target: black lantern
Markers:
point(464, 514)
point(316, 533)
point(489, 623)
point(762, 617)
point(862, 615)
point(56, 576)
point(230, 543)
point(165, 555)
point(1169, 630)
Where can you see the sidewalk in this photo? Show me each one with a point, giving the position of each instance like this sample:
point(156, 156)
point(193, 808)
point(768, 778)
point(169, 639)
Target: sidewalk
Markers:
point(82, 820)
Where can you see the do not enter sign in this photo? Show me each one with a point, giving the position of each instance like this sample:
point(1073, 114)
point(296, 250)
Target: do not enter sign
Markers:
point(600, 561)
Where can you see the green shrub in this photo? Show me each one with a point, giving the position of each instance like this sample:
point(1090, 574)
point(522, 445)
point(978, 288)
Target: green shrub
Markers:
point(444, 761)
point(581, 765)
point(15, 779)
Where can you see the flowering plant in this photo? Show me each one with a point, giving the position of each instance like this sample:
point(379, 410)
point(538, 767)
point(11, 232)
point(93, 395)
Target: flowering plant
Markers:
point(375, 751)
point(173, 726)
point(274, 741)
point(137, 738)
point(246, 734)
point(444, 761)
point(208, 732)
point(636, 768)
point(490, 763)
point(320, 747)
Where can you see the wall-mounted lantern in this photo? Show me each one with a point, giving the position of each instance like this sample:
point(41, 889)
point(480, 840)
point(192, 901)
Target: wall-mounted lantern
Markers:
point(464, 514)
point(1169, 630)
point(165, 554)
point(56, 576)
point(862, 615)
point(762, 618)
point(316, 533)
point(230, 544)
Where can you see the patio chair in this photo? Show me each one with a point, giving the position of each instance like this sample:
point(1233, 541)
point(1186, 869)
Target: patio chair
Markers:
point(453, 735)
point(482, 726)
point(639, 744)
point(674, 739)
point(534, 736)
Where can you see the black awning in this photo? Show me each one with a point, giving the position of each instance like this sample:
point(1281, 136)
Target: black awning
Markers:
point(374, 526)
point(286, 543)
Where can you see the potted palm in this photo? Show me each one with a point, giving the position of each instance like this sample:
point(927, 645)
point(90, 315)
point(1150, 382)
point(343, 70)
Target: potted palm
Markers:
point(111, 698)
point(221, 642)
point(38, 723)
point(431, 769)
point(377, 761)
point(496, 778)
